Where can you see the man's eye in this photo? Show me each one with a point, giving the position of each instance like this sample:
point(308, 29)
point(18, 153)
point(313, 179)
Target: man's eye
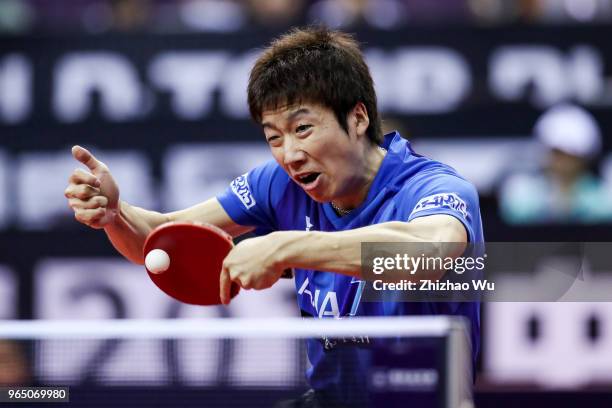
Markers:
point(302, 128)
point(272, 138)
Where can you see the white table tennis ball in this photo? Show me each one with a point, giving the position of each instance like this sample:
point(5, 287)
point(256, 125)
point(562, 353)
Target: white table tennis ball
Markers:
point(157, 261)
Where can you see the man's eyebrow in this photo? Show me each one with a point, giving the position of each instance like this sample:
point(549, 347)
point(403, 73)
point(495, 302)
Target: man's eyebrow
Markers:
point(301, 111)
point(290, 117)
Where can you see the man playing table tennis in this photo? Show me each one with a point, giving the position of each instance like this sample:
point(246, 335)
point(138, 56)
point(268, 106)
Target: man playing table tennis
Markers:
point(334, 183)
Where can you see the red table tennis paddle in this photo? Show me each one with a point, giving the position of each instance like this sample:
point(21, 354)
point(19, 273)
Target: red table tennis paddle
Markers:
point(196, 253)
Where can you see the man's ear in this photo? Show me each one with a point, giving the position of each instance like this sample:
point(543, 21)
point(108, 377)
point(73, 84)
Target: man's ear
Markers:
point(360, 119)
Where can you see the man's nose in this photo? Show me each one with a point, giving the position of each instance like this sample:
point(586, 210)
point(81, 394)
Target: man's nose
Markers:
point(293, 153)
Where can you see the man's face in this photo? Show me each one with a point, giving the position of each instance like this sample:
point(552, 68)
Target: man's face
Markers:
point(566, 165)
point(316, 152)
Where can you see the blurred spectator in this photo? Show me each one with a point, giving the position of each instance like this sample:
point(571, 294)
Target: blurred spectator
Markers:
point(336, 14)
point(540, 11)
point(14, 366)
point(99, 16)
point(389, 14)
point(16, 16)
point(494, 12)
point(572, 11)
point(130, 15)
point(94, 16)
point(213, 15)
point(562, 190)
point(381, 14)
point(276, 13)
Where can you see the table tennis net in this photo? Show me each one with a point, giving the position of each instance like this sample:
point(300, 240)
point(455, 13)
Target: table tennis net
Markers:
point(233, 362)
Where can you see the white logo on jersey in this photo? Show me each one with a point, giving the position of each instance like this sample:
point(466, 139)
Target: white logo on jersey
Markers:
point(308, 224)
point(240, 187)
point(330, 300)
point(442, 200)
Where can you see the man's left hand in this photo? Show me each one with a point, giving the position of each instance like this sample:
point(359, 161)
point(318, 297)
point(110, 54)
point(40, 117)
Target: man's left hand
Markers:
point(253, 264)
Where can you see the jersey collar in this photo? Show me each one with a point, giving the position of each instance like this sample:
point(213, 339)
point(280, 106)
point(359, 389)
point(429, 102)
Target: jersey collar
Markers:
point(397, 149)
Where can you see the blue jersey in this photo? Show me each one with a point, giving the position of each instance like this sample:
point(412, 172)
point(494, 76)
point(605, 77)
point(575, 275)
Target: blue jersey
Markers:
point(406, 186)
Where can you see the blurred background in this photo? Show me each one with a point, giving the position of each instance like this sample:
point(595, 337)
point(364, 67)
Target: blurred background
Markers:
point(515, 94)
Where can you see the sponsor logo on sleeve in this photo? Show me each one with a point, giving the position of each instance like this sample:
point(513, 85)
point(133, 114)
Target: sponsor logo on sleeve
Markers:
point(442, 200)
point(240, 187)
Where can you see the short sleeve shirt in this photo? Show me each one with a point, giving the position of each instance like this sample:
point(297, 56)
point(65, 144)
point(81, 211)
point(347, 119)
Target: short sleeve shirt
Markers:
point(407, 186)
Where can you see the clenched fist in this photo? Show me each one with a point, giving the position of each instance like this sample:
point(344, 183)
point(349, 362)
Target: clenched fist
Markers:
point(93, 194)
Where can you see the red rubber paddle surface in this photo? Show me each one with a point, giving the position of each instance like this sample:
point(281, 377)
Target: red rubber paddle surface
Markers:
point(196, 254)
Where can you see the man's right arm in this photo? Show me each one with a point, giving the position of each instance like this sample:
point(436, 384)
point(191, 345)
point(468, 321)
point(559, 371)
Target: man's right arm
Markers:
point(131, 225)
point(94, 197)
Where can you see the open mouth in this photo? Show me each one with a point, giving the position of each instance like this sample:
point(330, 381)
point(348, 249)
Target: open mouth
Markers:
point(309, 178)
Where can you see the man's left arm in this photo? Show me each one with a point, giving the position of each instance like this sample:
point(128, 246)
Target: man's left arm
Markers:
point(341, 251)
point(257, 263)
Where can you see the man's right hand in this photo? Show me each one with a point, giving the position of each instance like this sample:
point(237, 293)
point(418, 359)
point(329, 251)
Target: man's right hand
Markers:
point(93, 194)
